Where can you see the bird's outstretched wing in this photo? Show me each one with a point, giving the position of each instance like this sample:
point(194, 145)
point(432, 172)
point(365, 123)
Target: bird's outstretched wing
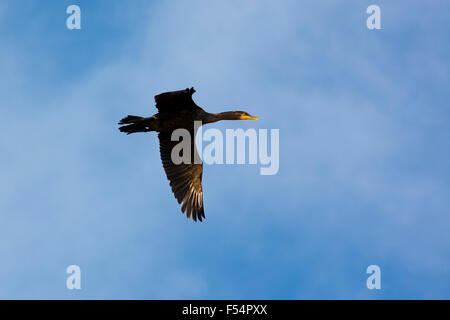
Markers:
point(175, 101)
point(185, 179)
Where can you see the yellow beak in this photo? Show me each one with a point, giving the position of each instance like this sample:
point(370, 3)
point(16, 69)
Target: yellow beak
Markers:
point(245, 117)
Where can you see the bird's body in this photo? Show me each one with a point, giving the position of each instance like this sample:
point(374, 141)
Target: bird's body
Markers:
point(177, 110)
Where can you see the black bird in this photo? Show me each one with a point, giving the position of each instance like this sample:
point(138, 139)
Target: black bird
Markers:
point(176, 109)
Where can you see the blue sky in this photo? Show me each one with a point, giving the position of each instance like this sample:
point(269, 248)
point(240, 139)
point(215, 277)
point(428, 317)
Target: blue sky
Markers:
point(364, 158)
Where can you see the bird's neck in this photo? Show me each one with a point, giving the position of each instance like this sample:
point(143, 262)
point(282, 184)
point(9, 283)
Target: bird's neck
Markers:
point(214, 117)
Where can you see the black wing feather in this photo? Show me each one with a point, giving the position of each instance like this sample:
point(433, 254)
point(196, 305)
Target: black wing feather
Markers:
point(185, 179)
point(175, 101)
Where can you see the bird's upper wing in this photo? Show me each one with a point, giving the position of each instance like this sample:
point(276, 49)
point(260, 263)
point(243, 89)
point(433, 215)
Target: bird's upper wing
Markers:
point(175, 101)
point(185, 179)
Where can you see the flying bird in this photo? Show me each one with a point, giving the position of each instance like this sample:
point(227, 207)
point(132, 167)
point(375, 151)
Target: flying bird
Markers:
point(177, 110)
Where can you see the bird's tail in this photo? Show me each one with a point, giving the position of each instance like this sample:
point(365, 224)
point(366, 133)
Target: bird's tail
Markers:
point(130, 119)
point(134, 124)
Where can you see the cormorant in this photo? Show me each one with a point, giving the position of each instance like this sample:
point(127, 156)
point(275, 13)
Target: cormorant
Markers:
point(176, 109)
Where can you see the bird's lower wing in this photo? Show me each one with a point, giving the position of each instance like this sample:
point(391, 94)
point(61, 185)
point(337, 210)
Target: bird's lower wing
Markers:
point(185, 179)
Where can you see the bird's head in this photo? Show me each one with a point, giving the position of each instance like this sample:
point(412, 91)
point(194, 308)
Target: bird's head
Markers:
point(229, 115)
point(245, 116)
point(235, 115)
